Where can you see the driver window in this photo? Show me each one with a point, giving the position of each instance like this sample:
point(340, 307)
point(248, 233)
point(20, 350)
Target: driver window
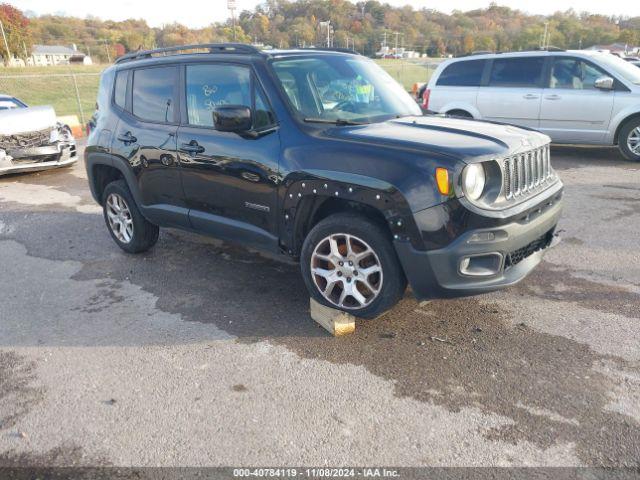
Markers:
point(571, 73)
point(209, 86)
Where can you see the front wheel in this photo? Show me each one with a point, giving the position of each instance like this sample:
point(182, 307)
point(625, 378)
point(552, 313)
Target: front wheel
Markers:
point(629, 140)
point(129, 229)
point(349, 263)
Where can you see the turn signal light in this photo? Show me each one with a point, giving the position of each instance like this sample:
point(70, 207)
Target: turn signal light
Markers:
point(442, 179)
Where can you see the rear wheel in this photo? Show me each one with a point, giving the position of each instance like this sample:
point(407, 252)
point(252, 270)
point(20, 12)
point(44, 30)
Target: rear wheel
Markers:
point(349, 263)
point(629, 140)
point(129, 229)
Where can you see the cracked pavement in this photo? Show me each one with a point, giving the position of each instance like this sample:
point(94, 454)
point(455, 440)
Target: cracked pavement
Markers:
point(202, 353)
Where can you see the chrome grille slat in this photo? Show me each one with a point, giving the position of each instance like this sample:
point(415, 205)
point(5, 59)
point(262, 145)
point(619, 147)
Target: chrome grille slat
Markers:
point(525, 172)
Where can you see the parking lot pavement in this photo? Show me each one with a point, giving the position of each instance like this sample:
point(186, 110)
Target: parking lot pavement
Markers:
point(203, 353)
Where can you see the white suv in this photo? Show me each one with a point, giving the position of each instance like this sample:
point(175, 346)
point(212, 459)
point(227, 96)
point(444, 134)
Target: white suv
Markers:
point(575, 97)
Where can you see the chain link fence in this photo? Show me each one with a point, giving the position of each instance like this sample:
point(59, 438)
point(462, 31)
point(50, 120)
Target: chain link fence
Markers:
point(74, 92)
point(69, 93)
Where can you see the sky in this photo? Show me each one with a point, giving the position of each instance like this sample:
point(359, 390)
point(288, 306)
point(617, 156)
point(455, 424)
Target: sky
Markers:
point(199, 13)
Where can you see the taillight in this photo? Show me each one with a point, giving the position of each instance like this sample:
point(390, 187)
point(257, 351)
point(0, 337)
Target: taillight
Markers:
point(425, 98)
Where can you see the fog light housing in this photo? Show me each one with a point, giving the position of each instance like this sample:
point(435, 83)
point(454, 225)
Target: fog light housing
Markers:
point(483, 265)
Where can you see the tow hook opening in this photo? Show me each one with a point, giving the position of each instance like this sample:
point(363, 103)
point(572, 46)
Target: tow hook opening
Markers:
point(483, 265)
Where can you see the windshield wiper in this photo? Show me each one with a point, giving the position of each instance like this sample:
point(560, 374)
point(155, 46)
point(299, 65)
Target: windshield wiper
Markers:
point(337, 121)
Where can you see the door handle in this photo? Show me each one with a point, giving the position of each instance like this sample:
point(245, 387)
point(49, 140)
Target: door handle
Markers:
point(530, 96)
point(553, 97)
point(192, 147)
point(127, 138)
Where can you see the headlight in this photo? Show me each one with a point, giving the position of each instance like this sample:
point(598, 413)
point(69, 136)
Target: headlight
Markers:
point(473, 181)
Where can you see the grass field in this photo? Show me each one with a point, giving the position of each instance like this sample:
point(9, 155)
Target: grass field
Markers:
point(54, 85)
point(408, 72)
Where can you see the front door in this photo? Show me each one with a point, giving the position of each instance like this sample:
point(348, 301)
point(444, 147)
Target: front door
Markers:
point(573, 110)
point(146, 138)
point(513, 92)
point(230, 179)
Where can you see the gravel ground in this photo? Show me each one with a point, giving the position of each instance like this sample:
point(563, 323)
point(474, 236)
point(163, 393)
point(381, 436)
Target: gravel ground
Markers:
point(203, 353)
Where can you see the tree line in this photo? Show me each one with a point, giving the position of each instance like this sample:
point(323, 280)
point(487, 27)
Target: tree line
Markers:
point(363, 26)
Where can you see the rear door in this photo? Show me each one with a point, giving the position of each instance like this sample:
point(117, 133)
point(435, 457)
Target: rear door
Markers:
point(146, 138)
point(457, 86)
point(573, 110)
point(513, 90)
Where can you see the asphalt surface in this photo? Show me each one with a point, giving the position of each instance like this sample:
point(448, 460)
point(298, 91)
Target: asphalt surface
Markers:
point(203, 353)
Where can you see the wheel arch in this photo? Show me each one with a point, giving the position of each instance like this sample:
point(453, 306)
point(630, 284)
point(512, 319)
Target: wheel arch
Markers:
point(621, 124)
point(102, 169)
point(463, 107)
point(308, 200)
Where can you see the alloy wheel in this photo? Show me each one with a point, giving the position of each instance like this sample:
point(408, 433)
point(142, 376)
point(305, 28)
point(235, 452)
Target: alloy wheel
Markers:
point(633, 141)
point(119, 217)
point(346, 271)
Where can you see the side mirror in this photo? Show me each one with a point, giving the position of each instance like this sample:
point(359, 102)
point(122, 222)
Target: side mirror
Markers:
point(232, 118)
point(604, 83)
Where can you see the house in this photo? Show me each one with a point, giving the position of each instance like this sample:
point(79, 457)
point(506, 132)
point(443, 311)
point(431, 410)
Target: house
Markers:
point(619, 49)
point(45, 55)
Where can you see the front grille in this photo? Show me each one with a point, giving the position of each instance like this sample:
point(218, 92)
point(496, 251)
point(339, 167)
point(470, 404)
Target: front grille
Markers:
point(525, 172)
point(520, 254)
point(26, 140)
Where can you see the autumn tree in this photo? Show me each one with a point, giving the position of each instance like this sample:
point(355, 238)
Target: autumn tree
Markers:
point(17, 33)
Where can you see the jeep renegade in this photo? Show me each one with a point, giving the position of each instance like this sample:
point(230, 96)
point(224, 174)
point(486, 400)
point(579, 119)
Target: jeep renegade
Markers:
point(319, 155)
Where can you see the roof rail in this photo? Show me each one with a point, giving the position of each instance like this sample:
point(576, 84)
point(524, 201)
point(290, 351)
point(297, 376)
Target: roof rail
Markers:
point(212, 47)
point(331, 49)
point(551, 48)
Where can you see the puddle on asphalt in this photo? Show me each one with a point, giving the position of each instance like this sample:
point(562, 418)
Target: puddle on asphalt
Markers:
point(453, 353)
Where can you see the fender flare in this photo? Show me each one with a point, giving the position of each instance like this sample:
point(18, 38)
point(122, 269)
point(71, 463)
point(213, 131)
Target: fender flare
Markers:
point(304, 192)
point(93, 159)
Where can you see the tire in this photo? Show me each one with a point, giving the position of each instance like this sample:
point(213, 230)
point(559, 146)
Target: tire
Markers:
point(142, 234)
point(630, 131)
point(387, 284)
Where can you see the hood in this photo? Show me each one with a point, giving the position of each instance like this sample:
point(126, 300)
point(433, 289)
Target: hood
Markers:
point(24, 120)
point(467, 140)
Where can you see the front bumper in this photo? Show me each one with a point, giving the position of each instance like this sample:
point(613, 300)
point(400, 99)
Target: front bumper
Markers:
point(514, 249)
point(45, 157)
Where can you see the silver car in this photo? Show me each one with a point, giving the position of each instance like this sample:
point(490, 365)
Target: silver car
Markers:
point(575, 97)
point(31, 138)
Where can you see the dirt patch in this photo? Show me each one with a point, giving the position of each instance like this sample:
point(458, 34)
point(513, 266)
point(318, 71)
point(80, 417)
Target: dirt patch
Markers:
point(17, 394)
point(464, 353)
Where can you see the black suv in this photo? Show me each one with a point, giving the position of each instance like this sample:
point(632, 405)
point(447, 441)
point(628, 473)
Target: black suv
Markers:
point(319, 155)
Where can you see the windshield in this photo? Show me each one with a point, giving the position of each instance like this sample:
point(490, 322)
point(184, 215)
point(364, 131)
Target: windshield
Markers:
point(621, 67)
point(342, 88)
point(10, 103)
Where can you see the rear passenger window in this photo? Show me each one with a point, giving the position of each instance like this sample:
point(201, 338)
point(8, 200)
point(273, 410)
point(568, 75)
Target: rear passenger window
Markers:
point(517, 72)
point(154, 94)
point(120, 92)
point(462, 74)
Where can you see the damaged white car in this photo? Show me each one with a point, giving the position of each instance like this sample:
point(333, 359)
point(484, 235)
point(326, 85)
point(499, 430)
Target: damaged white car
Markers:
point(32, 139)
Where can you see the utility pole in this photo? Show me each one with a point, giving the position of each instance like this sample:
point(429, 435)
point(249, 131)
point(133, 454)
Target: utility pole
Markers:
point(231, 5)
point(106, 49)
point(545, 42)
point(6, 44)
point(328, 25)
